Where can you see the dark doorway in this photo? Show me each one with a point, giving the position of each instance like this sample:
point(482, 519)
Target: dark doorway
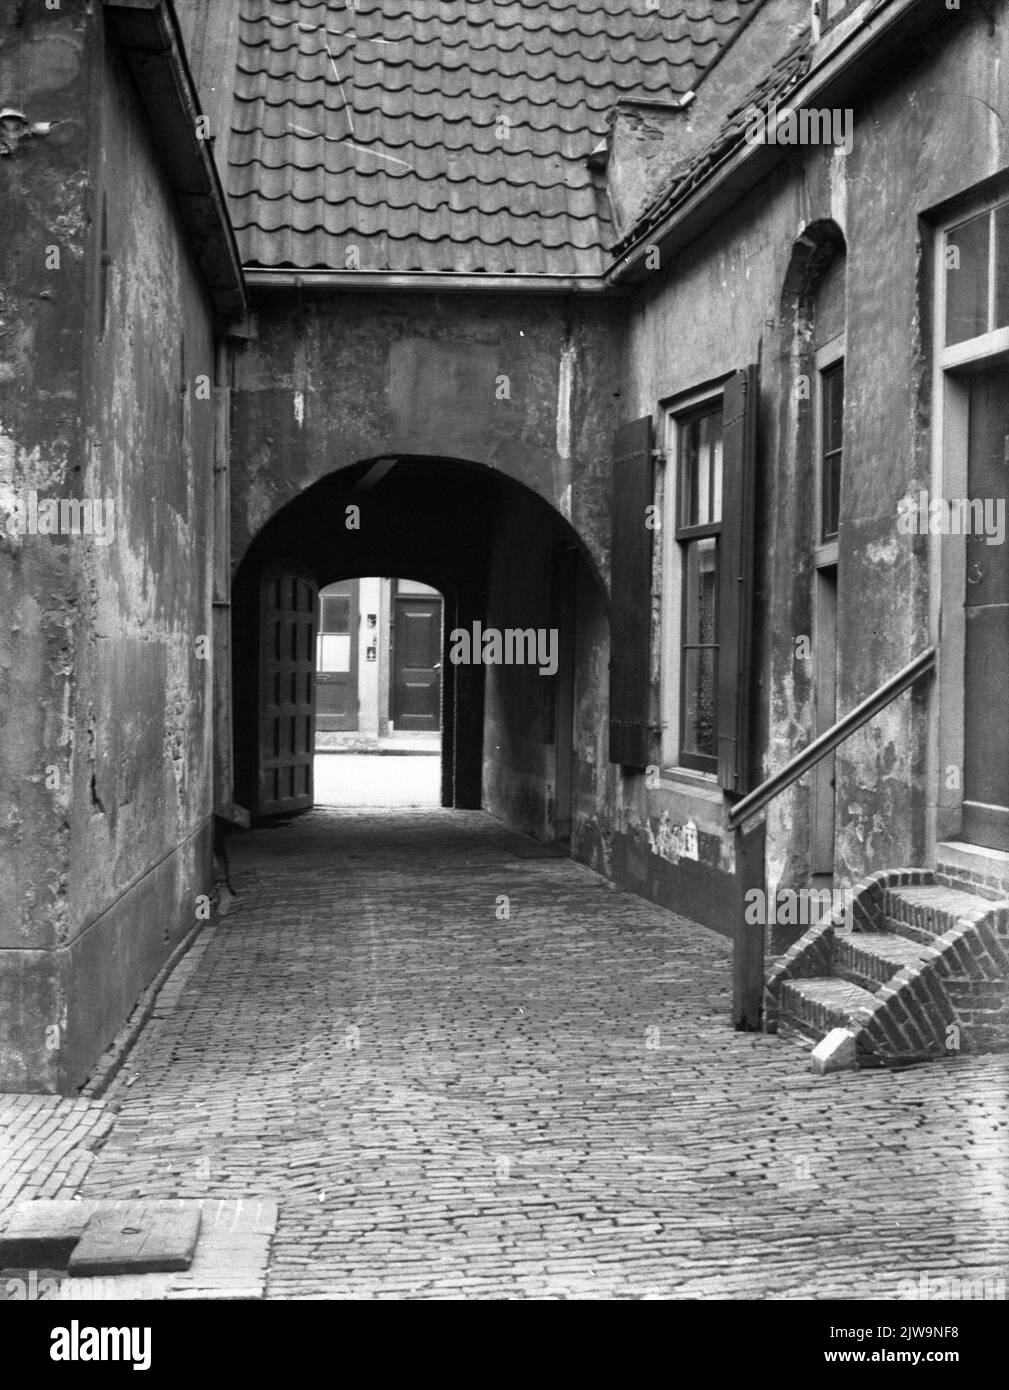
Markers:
point(452, 539)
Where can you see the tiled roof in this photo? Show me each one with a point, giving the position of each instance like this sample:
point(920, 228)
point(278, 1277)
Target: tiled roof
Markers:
point(783, 78)
point(380, 125)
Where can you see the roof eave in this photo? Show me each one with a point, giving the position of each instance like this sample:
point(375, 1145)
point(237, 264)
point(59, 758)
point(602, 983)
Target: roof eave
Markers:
point(287, 277)
point(148, 35)
point(838, 76)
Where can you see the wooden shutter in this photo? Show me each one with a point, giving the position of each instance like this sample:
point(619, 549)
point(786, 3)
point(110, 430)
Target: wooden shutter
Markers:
point(735, 582)
point(631, 595)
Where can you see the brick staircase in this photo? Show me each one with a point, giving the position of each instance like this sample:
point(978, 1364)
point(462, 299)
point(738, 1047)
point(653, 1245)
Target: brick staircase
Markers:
point(918, 968)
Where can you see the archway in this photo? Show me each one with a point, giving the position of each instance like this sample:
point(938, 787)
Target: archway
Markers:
point(505, 561)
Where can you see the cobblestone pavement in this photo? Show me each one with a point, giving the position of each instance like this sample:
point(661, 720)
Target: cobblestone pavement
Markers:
point(47, 1144)
point(448, 1101)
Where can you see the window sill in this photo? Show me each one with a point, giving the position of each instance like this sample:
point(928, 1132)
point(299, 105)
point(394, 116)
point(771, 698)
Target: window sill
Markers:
point(703, 785)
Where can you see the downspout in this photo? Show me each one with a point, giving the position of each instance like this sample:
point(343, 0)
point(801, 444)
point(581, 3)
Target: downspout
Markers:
point(224, 781)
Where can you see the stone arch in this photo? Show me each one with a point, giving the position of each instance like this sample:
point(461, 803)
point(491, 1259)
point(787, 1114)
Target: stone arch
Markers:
point(460, 526)
point(813, 253)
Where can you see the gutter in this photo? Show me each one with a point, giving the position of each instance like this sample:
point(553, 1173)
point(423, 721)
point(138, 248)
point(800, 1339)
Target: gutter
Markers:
point(260, 278)
point(840, 76)
point(148, 36)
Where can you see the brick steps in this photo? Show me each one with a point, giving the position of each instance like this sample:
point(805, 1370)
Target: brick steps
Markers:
point(871, 959)
point(918, 969)
point(923, 912)
point(810, 1009)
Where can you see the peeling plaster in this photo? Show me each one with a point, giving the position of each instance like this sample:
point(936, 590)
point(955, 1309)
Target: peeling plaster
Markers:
point(565, 382)
point(885, 553)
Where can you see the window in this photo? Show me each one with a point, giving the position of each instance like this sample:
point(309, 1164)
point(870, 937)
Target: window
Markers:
point(831, 432)
point(977, 276)
point(698, 451)
point(334, 633)
point(707, 486)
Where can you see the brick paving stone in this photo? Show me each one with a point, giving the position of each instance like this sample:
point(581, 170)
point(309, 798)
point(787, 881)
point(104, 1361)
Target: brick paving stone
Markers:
point(444, 1104)
point(47, 1143)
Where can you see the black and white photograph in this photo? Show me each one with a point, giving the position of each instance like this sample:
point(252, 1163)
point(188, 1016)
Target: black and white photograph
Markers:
point(504, 668)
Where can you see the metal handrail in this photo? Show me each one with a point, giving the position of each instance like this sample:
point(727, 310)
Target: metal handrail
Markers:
point(773, 786)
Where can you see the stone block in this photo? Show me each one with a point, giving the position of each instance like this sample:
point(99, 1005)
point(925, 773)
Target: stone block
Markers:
point(835, 1052)
point(138, 1238)
point(42, 1234)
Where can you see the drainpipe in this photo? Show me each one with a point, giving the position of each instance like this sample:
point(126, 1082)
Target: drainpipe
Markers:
point(224, 784)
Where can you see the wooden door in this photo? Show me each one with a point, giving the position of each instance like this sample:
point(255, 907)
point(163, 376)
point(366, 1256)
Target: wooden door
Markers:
point(336, 669)
point(288, 602)
point(986, 604)
point(416, 667)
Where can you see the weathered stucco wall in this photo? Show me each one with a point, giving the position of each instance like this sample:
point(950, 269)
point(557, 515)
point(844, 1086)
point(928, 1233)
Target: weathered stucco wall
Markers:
point(523, 385)
point(142, 778)
point(44, 72)
point(110, 696)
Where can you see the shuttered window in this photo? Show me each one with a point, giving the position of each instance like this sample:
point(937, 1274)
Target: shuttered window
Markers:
point(631, 596)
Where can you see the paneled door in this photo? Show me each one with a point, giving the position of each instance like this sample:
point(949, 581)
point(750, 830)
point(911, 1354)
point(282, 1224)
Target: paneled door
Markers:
point(416, 683)
point(288, 609)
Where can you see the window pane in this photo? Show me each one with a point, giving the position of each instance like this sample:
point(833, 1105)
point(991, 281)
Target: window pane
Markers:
point(833, 403)
point(335, 613)
point(714, 433)
point(699, 591)
point(699, 701)
point(831, 443)
point(334, 652)
point(1002, 267)
point(700, 455)
point(967, 279)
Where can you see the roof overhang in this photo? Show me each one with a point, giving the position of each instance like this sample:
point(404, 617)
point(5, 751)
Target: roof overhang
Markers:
point(838, 79)
point(286, 278)
point(147, 33)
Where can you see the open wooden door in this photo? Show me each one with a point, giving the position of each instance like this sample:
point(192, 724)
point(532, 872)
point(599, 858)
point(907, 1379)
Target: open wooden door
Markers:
point(288, 607)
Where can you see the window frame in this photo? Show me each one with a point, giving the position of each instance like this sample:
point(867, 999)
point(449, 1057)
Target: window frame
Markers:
point(676, 412)
point(828, 358)
point(995, 341)
point(951, 367)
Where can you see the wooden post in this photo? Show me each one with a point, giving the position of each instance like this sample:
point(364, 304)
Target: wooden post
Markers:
point(748, 939)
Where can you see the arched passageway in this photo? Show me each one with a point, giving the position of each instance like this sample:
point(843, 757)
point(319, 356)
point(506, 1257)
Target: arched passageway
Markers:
point(524, 615)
